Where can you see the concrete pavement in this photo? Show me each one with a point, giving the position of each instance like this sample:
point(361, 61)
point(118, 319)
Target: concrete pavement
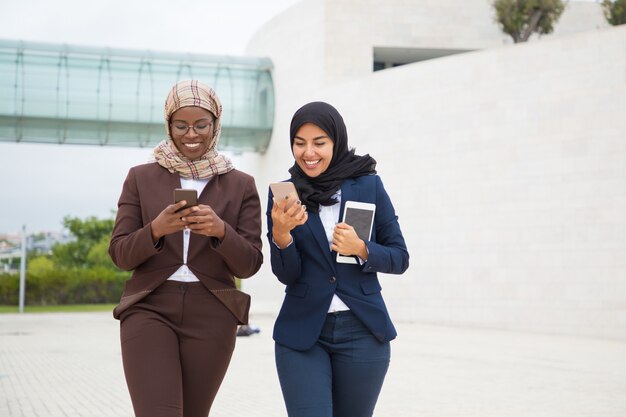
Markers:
point(69, 365)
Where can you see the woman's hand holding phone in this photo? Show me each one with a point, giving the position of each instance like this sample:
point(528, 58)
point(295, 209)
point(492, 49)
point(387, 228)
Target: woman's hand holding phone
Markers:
point(285, 191)
point(170, 220)
point(176, 217)
point(204, 221)
point(284, 220)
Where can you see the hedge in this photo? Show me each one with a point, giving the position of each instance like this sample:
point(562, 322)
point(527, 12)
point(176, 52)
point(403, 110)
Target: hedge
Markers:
point(69, 286)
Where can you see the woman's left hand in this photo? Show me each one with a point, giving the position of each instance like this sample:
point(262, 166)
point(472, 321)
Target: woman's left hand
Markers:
point(347, 242)
point(204, 221)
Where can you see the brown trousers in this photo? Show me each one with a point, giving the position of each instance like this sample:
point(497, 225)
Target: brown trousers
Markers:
point(176, 346)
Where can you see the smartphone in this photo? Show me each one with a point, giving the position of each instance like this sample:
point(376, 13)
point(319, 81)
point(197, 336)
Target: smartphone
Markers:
point(285, 191)
point(188, 194)
point(361, 217)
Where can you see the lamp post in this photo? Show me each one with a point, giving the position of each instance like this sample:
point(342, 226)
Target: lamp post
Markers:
point(23, 270)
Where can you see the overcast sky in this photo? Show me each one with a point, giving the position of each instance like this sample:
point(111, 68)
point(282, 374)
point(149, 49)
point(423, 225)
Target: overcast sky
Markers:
point(40, 184)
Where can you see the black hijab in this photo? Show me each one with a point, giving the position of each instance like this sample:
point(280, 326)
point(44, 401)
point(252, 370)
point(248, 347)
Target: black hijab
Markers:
point(316, 191)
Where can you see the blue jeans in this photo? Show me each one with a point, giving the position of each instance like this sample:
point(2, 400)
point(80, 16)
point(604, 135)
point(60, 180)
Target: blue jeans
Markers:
point(340, 376)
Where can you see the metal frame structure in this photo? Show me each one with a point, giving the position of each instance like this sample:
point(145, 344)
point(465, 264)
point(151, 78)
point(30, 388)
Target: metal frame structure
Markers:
point(66, 94)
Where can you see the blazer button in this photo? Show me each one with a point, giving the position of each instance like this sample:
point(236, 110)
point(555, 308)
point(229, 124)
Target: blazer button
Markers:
point(332, 280)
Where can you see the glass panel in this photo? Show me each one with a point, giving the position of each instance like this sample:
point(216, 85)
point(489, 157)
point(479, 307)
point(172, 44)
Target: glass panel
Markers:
point(66, 94)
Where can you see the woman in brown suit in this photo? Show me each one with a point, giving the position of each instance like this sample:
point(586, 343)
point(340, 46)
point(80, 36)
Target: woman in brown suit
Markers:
point(180, 309)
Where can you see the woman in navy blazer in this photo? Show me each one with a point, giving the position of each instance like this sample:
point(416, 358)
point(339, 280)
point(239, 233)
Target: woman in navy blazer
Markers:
point(333, 331)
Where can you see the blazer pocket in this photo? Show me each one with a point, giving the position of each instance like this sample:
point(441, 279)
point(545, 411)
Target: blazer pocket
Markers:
point(298, 289)
point(370, 287)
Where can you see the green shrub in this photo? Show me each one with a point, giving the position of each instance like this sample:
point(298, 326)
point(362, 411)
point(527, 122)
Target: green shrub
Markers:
point(68, 286)
point(77, 272)
point(9, 288)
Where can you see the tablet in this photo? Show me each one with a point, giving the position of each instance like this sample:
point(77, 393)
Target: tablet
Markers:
point(361, 217)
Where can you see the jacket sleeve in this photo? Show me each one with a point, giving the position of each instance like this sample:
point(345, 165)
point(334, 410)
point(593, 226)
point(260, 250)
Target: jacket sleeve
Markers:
point(285, 262)
point(131, 241)
point(241, 247)
point(388, 254)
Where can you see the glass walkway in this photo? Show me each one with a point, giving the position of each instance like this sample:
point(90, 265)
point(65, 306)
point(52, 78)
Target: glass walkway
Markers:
point(100, 96)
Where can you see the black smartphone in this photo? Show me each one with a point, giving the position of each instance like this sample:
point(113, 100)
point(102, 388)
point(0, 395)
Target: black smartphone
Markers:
point(188, 194)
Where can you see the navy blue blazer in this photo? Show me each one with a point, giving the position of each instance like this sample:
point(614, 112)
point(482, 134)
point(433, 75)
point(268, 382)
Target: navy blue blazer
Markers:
point(309, 270)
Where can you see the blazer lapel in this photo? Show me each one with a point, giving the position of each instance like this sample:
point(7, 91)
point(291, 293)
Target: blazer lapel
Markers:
point(314, 223)
point(177, 238)
point(348, 193)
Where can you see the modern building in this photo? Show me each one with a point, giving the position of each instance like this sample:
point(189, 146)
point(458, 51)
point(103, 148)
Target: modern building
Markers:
point(506, 162)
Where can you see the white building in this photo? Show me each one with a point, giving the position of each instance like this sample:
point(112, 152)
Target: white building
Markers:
point(506, 165)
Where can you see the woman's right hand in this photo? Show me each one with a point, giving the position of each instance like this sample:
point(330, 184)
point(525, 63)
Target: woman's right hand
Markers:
point(169, 220)
point(284, 221)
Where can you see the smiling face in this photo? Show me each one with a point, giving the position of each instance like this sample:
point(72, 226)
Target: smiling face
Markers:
point(312, 149)
point(192, 142)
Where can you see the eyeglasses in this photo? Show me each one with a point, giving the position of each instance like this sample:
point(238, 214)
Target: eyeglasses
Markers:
point(181, 129)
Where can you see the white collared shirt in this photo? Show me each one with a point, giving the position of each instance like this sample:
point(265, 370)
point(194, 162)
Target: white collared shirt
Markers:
point(184, 273)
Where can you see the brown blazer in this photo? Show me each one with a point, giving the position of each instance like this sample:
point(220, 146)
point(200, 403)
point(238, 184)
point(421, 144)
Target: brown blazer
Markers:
point(148, 189)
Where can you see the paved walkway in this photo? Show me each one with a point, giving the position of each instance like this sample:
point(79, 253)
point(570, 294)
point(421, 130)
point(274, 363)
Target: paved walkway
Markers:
point(68, 365)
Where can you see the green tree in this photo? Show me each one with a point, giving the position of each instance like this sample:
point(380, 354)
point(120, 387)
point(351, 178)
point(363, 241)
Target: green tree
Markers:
point(98, 255)
point(90, 247)
point(521, 18)
point(90, 230)
point(614, 11)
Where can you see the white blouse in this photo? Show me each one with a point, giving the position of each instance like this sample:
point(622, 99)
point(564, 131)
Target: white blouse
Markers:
point(184, 273)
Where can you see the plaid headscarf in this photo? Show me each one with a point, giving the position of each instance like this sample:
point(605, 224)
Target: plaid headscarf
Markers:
point(192, 93)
